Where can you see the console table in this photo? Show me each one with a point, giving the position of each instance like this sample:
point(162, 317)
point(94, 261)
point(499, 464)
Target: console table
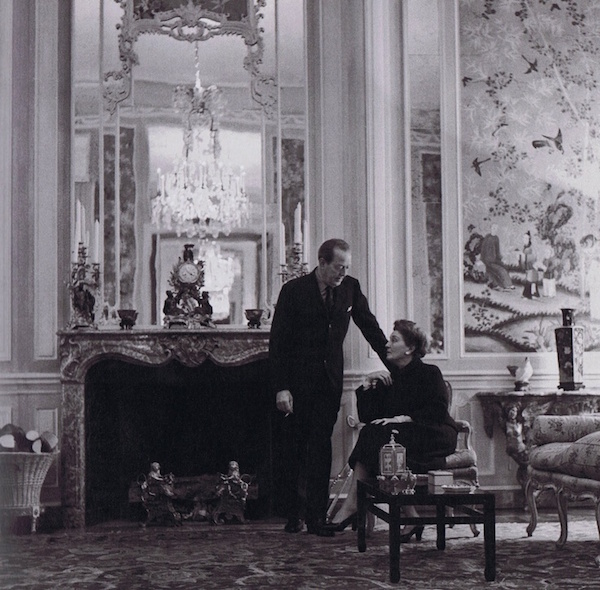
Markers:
point(82, 348)
point(514, 412)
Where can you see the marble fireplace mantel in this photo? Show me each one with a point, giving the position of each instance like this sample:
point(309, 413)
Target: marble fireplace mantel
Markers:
point(81, 349)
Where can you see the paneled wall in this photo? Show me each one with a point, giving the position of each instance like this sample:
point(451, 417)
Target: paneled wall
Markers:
point(34, 197)
point(6, 17)
point(357, 184)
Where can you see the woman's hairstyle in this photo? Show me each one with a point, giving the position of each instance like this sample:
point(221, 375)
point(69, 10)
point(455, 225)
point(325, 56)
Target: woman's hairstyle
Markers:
point(413, 336)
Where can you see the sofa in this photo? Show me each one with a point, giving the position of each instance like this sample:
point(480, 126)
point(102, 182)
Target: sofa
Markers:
point(564, 457)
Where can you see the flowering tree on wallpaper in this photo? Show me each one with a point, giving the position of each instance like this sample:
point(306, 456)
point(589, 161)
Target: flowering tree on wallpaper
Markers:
point(530, 71)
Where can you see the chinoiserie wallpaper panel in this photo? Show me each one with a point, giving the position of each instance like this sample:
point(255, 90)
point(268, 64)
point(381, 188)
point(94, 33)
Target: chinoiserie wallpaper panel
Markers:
point(530, 120)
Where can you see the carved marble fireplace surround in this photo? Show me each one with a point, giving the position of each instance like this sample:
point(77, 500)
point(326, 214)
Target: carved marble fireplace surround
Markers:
point(81, 349)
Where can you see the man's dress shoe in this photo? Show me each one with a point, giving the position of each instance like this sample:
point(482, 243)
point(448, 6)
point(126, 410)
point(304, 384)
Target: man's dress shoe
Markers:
point(293, 525)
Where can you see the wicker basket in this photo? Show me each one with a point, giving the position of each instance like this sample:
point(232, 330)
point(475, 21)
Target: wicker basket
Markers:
point(21, 478)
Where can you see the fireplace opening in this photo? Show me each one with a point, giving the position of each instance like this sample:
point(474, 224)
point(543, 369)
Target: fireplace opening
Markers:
point(192, 420)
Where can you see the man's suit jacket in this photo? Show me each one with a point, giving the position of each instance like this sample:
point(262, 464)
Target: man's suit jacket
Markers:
point(305, 338)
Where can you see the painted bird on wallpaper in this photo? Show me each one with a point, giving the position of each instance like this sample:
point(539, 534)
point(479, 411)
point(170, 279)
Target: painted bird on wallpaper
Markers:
point(557, 142)
point(532, 65)
point(476, 164)
point(500, 125)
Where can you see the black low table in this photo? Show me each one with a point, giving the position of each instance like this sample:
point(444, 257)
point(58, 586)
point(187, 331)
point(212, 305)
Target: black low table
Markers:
point(464, 512)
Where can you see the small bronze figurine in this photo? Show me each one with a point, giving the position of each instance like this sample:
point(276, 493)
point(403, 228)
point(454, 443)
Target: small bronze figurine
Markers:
point(157, 493)
point(232, 493)
point(170, 306)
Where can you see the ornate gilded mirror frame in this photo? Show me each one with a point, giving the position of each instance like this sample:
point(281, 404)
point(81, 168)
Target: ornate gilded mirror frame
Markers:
point(190, 21)
point(128, 62)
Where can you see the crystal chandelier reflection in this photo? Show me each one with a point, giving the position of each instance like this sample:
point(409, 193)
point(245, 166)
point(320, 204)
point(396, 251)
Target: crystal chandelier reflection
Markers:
point(201, 196)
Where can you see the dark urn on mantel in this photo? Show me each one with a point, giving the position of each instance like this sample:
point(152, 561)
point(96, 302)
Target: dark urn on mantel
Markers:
point(254, 317)
point(569, 348)
point(128, 318)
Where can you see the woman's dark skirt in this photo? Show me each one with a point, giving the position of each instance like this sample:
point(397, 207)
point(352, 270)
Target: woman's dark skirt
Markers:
point(426, 445)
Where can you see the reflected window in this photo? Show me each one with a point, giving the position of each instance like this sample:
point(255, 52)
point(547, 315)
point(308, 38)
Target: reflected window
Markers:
point(220, 272)
point(426, 180)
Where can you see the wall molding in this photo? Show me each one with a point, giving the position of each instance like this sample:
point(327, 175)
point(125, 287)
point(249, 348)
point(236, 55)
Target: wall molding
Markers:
point(45, 324)
point(6, 105)
point(29, 384)
point(450, 161)
point(387, 251)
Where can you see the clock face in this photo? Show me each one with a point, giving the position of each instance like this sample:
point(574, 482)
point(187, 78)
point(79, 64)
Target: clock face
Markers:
point(188, 273)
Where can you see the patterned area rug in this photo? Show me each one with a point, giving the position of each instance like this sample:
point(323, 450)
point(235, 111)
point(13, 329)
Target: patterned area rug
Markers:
point(259, 555)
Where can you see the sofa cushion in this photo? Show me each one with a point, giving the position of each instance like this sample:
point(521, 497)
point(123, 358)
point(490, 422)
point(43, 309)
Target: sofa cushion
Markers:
point(548, 428)
point(461, 458)
point(549, 457)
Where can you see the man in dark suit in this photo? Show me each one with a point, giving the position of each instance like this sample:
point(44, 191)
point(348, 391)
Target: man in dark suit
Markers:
point(306, 356)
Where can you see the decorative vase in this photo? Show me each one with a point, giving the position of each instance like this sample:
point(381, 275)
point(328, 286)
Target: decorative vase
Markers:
point(523, 374)
point(128, 317)
point(569, 348)
point(254, 316)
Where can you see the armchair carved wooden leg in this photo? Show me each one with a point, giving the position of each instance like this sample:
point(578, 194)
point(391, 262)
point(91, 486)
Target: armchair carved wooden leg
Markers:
point(473, 527)
point(562, 501)
point(597, 558)
point(531, 494)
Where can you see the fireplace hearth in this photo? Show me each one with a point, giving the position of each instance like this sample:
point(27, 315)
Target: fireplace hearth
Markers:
point(192, 420)
point(191, 400)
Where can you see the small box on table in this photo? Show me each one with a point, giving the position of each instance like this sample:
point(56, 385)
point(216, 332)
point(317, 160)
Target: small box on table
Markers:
point(437, 479)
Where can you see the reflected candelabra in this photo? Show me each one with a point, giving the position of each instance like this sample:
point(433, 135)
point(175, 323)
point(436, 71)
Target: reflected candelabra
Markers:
point(84, 284)
point(295, 266)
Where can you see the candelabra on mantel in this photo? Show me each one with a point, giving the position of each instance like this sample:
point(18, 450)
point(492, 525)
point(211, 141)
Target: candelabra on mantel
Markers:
point(295, 267)
point(84, 284)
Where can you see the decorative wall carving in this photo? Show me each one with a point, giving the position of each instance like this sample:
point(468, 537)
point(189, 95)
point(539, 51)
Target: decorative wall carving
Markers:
point(191, 21)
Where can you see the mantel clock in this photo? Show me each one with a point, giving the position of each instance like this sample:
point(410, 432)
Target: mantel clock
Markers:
point(187, 305)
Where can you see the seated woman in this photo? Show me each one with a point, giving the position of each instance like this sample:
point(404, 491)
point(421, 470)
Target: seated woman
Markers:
point(411, 400)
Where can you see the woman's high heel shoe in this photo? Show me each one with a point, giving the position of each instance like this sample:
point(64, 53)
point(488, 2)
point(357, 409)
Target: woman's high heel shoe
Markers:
point(340, 526)
point(417, 531)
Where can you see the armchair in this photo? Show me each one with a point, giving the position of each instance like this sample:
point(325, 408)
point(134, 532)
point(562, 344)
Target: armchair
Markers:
point(462, 463)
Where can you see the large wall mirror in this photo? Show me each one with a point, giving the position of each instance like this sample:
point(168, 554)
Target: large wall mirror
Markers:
point(198, 93)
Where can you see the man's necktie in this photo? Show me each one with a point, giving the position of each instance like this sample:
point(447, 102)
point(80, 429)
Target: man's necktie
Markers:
point(329, 298)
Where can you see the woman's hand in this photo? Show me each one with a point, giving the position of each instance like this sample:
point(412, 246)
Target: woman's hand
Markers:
point(394, 420)
point(371, 379)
